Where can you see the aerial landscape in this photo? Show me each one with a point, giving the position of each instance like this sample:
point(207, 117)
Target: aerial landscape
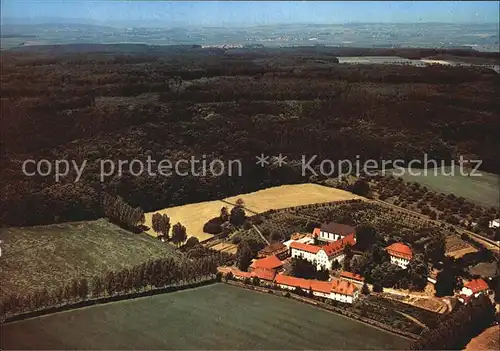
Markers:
point(249, 175)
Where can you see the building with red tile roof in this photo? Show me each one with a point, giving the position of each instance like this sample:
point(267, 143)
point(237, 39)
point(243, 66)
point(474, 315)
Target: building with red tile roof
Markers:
point(349, 276)
point(400, 254)
point(344, 288)
point(305, 247)
point(476, 285)
point(277, 249)
point(269, 262)
point(264, 274)
point(261, 273)
point(316, 232)
point(473, 288)
point(338, 290)
point(237, 274)
point(322, 256)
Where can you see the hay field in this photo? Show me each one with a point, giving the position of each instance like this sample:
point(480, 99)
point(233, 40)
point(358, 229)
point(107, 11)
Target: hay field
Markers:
point(291, 195)
point(194, 216)
point(214, 317)
point(48, 256)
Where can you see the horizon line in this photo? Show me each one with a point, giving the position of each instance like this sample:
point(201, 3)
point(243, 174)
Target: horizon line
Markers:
point(75, 21)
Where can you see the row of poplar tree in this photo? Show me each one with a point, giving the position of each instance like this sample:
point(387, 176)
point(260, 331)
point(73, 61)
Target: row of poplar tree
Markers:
point(157, 273)
point(120, 212)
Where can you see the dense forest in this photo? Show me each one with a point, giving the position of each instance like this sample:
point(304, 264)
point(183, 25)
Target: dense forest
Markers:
point(96, 102)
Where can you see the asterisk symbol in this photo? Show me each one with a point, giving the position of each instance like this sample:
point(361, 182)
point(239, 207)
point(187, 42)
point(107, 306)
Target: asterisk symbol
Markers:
point(280, 160)
point(262, 160)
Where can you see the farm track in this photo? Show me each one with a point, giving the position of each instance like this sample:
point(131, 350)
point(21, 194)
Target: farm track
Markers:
point(244, 207)
point(260, 234)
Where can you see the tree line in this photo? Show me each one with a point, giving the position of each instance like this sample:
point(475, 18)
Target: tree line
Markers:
point(353, 117)
point(120, 212)
point(149, 275)
point(454, 331)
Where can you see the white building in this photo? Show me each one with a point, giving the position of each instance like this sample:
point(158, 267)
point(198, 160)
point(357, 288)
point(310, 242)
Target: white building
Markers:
point(494, 223)
point(333, 232)
point(400, 254)
point(322, 256)
point(338, 290)
point(303, 240)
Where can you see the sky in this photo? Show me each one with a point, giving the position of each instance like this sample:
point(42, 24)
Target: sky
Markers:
point(214, 13)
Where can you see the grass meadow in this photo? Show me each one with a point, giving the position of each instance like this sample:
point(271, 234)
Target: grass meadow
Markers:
point(482, 190)
point(46, 256)
point(217, 316)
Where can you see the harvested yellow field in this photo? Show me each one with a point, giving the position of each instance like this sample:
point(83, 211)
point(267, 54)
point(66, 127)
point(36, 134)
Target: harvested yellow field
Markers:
point(291, 195)
point(194, 216)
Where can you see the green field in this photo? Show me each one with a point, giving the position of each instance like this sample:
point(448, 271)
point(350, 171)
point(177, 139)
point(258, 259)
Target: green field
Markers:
point(218, 316)
point(482, 190)
point(47, 256)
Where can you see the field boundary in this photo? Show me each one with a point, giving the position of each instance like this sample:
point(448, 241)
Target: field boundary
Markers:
point(328, 308)
point(108, 299)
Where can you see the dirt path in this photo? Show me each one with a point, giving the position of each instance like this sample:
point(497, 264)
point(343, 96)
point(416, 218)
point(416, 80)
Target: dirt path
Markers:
point(260, 234)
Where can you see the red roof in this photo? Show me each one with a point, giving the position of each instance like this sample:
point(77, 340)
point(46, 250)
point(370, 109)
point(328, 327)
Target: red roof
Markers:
point(337, 247)
point(270, 262)
point(351, 275)
point(261, 273)
point(320, 286)
point(316, 231)
point(344, 287)
point(350, 239)
point(304, 284)
point(305, 247)
point(477, 285)
point(400, 250)
point(338, 286)
point(292, 281)
point(264, 274)
point(236, 272)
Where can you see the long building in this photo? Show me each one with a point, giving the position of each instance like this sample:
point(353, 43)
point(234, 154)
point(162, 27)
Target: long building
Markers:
point(336, 289)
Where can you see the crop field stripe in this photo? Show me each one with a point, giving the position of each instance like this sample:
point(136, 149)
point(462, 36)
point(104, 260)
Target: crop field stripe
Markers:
point(212, 317)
